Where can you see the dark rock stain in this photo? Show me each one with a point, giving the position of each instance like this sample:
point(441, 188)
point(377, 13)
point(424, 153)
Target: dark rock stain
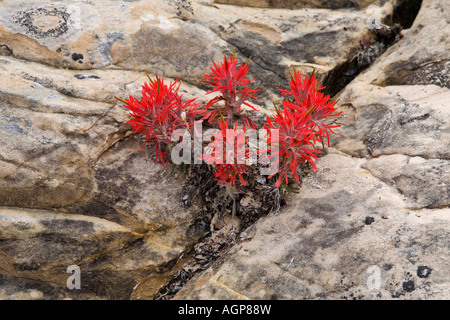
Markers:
point(85, 76)
point(98, 209)
point(310, 45)
point(369, 220)
point(423, 271)
point(5, 50)
point(77, 227)
point(77, 57)
point(387, 266)
point(408, 286)
point(26, 266)
point(418, 118)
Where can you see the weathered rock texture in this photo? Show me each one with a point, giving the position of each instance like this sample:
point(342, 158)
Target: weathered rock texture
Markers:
point(65, 149)
point(422, 56)
point(295, 4)
point(374, 222)
point(179, 38)
point(278, 40)
point(345, 227)
point(76, 188)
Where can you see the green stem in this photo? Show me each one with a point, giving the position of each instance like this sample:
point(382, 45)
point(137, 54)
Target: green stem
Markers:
point(311, 109)
point(233, 213)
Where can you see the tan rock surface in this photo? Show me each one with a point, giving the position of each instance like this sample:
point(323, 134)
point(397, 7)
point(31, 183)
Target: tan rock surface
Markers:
point(345, 227)
point(421, 57)
point(76, 187)
point(374, 222)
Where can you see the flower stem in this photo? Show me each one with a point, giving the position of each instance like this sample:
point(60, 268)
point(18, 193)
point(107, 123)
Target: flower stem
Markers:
point(233, 213)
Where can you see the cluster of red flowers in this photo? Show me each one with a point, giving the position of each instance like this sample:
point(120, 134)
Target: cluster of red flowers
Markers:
point(300, 121)
point(301, 125)
point(159, 113)
point(228, 170)
point(309, 99)
point(230, 81)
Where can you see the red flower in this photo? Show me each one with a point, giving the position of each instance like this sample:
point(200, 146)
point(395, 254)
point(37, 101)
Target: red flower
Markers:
point(160, 112)
point(229, 80)
point(309, 99)
point(301, 125)
point(228, 173)
point(296, 137)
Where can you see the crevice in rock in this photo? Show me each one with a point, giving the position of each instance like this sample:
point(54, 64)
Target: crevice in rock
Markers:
point(405, 12)
point(259, 199)
point(100, 117)
point(122, 135)
point(419, 208)
point(338, 78)
point(404, 15)
point(49, 84)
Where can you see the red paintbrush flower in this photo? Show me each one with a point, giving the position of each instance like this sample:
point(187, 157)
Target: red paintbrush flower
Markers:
point(296, 137)
point(310, 100)
point(159, 113)
point(301, 125)
point(229, 80)
point(225, 172)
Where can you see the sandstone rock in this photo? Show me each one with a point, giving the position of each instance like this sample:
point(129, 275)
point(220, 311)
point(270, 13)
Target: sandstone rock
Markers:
point(76, 187)
point(423, 181)
point(66, 148)
point(278, 40)
point(421, 57)
point(130, 186)
point(93, 85)
point(346, 225)
point(409, 120)
point(48, 145)
point(294, 4)
point(140, 35)
point(38, 246)
point(179, 38)
point(328, 243)
point(373, 222)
